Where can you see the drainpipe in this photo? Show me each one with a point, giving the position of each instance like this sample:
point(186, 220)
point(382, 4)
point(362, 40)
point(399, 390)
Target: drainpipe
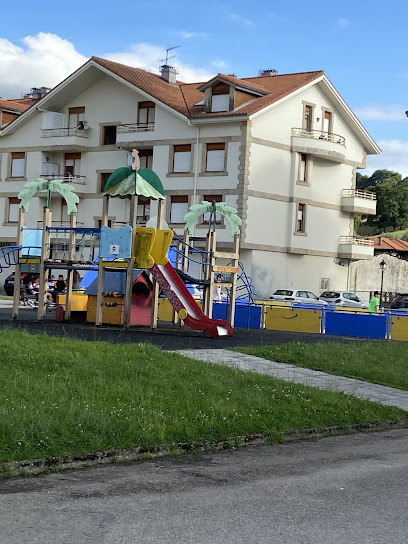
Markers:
point(196, 165)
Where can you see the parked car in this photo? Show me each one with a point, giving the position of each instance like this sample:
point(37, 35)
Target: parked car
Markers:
point(295, 295)
point(400, 302)
point(9, 281)
point(343, 298)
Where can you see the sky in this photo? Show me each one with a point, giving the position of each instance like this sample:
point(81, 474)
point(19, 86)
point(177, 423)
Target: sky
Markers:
point(360, 45)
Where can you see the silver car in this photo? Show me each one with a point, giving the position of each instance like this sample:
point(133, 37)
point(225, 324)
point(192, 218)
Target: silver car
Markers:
point(297, 296)
point(343, 298)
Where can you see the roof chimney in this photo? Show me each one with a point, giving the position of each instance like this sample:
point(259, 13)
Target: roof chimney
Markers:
point(269, 72)
point(169, 73)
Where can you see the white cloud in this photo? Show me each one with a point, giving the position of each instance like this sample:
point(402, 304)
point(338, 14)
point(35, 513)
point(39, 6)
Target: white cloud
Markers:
point(243, 21)
point(390, 112)
point(342, 22)
point(219, 64)
point(44, 60)
point(394, 156)
point(187, 35)
point(149, 56)
point(47, 59)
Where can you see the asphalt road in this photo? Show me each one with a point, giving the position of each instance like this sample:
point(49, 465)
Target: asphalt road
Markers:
point(338, 490)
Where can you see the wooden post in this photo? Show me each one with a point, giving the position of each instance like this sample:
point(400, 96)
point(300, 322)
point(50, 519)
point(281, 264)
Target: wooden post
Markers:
point(101, 270)
point(45, 255)
point(155, 298)
point(131, 263)
point(17, 273)
point(235, 263)
point(71, 258)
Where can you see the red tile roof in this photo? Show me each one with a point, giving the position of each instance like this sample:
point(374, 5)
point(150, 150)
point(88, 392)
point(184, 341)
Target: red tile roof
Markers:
point(17, 104)
point(182, 97)
point(390, 244)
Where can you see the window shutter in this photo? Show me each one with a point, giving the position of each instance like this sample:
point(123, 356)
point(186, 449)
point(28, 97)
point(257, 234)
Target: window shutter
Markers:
point(18, 166)
point(52, 119)
point(215, 157)
point(179, 208)
point(182, 158)
point(220, 102)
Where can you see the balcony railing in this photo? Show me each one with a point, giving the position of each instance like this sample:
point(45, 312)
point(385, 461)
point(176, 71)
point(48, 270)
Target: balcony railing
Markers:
point(319, 135)
point(136, 127)
point(58, 132)
point(79, 180)
point(357, 193)
point(355, 241)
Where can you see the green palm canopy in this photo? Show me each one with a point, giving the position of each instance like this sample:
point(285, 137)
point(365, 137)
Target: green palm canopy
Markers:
point(123, 184)
point(58, 185)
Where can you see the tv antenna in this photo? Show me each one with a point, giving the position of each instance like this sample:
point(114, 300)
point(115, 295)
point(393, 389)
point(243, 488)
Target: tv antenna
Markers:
point(166, 60)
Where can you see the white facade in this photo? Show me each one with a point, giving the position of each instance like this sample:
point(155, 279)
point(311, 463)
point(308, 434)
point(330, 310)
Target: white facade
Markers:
point(286, 184)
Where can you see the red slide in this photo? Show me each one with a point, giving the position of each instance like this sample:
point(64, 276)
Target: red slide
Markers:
point(180, 297)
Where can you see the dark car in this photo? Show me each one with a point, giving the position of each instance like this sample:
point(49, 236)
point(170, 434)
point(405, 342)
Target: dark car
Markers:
point(400, 302)
point(9, 281)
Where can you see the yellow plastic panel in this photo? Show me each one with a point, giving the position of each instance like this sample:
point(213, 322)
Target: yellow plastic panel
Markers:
point(161, 246)
point(399, 329)
point(352, 310)
point(79, 303)
point(143, 247)
point(109, 315)
point(288, 319)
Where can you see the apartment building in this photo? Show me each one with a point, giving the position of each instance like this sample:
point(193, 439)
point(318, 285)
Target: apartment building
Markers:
point(282, 149)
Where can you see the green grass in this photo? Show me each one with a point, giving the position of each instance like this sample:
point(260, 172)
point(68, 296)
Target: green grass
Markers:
point(64, 396)
point(383, 363)
point(5, 297)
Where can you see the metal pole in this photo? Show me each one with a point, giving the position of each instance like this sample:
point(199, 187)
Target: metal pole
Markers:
point(382, 282)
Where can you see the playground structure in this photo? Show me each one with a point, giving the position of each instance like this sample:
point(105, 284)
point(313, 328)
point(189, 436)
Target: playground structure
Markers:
point(127, 251)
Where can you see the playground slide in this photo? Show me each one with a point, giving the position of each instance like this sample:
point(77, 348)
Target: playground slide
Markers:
point(180, 298)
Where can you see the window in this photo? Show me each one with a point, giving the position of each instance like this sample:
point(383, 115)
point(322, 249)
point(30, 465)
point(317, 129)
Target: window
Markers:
point(146, 115)
point(206, 216)
point(146, 158)
point(13, 209)
point(99, 223)
point(327, 122)
point(307, 118)
point(72, 165)
point(18, 161)
point(178, 209)
point(300, 218)
point(303, 173)
point(103, 178)
point(182, 158)
point(143, 210)
point(76, 115)
point(220, 102)
point(215, 160)
point(109, 134)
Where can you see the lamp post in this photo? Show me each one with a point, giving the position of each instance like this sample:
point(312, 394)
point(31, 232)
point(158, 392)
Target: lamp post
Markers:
point(383, 266)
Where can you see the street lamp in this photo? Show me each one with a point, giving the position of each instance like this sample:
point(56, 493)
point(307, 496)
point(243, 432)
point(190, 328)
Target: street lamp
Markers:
point(383, 266)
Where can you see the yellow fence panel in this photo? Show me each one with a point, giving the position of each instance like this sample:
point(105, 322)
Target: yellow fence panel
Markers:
point(399, 328)
point(293, 319)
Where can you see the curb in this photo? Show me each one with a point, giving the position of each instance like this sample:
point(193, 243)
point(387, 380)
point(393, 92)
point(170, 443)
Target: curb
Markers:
point(55, 464)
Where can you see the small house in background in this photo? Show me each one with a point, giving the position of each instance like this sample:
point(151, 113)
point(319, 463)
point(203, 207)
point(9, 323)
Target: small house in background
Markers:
point(115, 283)
point(391, 246)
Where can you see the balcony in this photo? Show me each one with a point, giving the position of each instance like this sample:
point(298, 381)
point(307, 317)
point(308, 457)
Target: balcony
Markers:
point(75, 180)
point(135, 132)
point(351, 247)
point(67, 139)
point(324, 145)
point(357, 201)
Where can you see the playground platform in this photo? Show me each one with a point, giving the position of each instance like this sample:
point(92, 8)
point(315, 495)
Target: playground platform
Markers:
point(166, 336)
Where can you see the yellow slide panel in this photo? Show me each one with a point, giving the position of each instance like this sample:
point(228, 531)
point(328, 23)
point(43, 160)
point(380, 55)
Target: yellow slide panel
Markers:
point(143, 247)
point(288, 319)
point(399, 328)
point(161, 246)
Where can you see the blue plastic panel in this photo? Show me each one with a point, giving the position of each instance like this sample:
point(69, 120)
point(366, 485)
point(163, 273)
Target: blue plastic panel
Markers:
point(121, 239)
point(32, 241)
point(359, 325)
point(246, 316)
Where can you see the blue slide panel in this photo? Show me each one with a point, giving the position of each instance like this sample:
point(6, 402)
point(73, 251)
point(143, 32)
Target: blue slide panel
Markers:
point(246, 316)
point(359, 325)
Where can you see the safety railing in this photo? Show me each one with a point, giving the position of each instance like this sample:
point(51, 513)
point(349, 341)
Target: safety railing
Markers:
point(319, 135)
point(358, 193)
point(355, 241)
point(59, 132)
point(79, 180)
point(135, 127)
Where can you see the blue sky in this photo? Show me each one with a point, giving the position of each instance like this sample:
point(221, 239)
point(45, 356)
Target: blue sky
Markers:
point(361, 46)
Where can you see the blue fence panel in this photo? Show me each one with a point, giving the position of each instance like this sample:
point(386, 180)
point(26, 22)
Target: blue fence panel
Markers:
point(359, 325)
point(246, 315)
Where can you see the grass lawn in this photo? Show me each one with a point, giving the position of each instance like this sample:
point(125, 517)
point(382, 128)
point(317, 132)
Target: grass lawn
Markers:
point(385, 363)
point(63, 396)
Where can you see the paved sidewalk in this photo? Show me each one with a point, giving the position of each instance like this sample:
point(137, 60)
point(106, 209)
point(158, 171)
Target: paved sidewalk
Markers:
point(291, 373)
